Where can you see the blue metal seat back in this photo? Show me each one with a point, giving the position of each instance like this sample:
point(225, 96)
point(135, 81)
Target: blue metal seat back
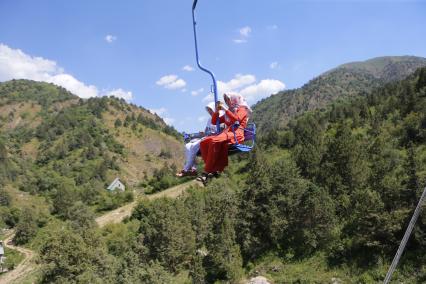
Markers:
point(250, 132)
point(246, 146)
point(249, 140)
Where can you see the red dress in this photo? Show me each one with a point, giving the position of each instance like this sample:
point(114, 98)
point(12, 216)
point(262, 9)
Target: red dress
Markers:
point(214, 149)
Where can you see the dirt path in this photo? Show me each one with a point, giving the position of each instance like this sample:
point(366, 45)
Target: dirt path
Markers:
point(24, 268)
point(118, 215)
point(27, 265)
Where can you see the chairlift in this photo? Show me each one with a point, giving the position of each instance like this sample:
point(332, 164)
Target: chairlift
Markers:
point(249, 131)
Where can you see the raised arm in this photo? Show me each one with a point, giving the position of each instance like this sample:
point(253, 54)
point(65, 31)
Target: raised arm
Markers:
point(240, 115)
point(215, 116)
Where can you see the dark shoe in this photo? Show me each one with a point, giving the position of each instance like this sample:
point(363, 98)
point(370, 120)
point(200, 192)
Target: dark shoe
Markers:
point(204, 177)
point(184, 173)
point(216, 174)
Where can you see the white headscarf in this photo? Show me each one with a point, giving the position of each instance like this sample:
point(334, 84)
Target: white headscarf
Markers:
point(237, 100)
point(211, 106)
point(211, 128)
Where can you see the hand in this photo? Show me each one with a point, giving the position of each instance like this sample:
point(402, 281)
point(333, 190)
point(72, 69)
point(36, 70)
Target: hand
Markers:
point(219, 106)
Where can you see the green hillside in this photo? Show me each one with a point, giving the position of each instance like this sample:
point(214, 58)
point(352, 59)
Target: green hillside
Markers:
point(63, 149)
point(348, 80)
point(324, 199)
point(44, 123)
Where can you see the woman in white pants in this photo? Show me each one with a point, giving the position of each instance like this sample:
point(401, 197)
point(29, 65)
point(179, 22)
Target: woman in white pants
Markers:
point(193, 146)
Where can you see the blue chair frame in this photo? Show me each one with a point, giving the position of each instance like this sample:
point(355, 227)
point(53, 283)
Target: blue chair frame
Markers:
point(249, 136)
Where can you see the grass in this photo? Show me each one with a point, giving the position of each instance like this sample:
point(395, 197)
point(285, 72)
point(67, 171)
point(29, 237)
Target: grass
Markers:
point(316, 270)
point(311, 270)
point(182, 278)
point(13, 258)
point(31, 278)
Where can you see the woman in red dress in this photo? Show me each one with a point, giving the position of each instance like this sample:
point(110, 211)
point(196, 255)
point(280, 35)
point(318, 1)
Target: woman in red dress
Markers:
point(214, 149)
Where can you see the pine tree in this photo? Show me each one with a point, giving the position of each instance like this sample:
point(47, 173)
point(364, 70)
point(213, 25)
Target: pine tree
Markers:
point(308, 150)
point(411, 183)
point(253, 232)
point(197, 271)
point(26, 228)
point(224, 261)
point(4, 197)
point(68, 258)
point(64, 199)
point(4, 162)
point(117, 123)
point(421, 81)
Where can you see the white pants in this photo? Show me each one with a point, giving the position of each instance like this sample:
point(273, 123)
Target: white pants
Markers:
point(191, 150)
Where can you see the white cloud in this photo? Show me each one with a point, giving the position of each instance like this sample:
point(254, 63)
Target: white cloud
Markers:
point(247, 86)
point(235, 83)
point(208, 98)
point(15, 64)
point(163, 113)
point(159, 111)
point(245, 31)
point(171, 82)
point(202, 118)
point(73, 85)
point(197, 92)
point(165, 80)
point(120, 93)
point(240, 40)
point(262, 90)
point(169, 121)
point(244, 34)
point(110, 38)
point(187, 68)
point(273, 65)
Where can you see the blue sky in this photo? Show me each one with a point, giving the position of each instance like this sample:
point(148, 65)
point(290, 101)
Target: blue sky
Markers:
point(138, 49)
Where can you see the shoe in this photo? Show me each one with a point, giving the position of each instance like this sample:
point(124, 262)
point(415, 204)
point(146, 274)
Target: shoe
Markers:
point(182, 173)
point(203, 178)
point(216, 174)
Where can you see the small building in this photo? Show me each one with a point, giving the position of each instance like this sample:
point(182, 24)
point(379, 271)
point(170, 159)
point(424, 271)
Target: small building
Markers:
point(116, 184)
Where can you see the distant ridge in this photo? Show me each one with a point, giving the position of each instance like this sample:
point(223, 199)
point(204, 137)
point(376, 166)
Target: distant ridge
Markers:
point(350, 79)
point(388, 68)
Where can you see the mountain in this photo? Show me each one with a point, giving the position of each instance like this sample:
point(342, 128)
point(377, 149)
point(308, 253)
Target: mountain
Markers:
point(327, 203)
point(46, 125)
point(347, 80)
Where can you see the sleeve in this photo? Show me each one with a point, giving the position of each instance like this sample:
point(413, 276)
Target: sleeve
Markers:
point(215, 116)
point(240, 116)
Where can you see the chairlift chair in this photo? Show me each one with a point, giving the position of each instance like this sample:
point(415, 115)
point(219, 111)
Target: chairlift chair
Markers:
point(249, 131)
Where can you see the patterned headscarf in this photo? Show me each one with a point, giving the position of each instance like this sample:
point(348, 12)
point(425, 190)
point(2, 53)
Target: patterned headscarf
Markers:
point(237, 100)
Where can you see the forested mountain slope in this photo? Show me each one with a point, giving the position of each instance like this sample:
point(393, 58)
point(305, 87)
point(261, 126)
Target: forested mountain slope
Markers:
point(44, 123)
point(57, 150)
point(328, 201)
point(352, 178)
point(348, 80)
